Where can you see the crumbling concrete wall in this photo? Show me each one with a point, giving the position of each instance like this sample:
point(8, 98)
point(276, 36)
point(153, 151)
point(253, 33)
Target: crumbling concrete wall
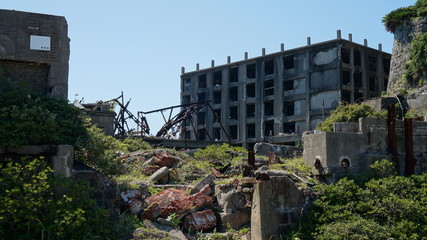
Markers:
point(34, 51)
point(277, 203)
point(335, 154)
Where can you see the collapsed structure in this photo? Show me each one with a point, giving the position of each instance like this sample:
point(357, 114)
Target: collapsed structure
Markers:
point(287, 92)
point(34, 52)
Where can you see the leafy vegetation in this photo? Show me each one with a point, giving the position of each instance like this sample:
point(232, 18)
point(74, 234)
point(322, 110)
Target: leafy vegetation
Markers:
point(397, 17)
point(348, 113)
point(37, 205)
point(417, 63)
point(32, 119)
point(383, 207)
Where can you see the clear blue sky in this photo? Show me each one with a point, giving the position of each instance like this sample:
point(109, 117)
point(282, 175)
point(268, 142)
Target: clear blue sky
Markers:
point(139, 46)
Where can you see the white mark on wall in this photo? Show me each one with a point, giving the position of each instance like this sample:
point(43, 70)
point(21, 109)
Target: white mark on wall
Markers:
point(325, 57)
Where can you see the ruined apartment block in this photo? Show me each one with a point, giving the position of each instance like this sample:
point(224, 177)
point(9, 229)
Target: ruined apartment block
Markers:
point(276, 97)
point(34, 52)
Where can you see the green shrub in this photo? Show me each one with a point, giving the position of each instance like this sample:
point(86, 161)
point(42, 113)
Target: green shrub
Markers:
point(348, 113)
point(36, 205)
point(386, 206)
point(397, 17)
point(33, 119)
point(417, 63)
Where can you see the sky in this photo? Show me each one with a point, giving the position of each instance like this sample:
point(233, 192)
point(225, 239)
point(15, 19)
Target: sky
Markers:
point(139, 46)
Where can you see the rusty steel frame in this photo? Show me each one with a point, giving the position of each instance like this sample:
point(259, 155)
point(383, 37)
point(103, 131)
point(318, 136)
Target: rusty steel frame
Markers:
point(392, 141)
point(410, 161)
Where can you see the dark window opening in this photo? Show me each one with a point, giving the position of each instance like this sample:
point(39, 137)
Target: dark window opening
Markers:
point(250, 90)
point(250, 110)
point(288, 62)
point(385, 84)
point(202, 81)
point(250, 130)
point(345, 163)
point(358, 96)
point(251, 71)
point(346, 96)
point(289, 127)
point(187, 85)
point(234, 113)
point(233, 132)
point(268, 87)
point(201, 134)
point(234, 74)
point(372, 63)
point(373, 84)
point(345, 55)
point(269, 67)
point(357, 58)
point(217, 134)
point(386, 65)
point(357, 77)
point(217, 97)
point(289, 108)
point(217, 115)
point(186, 99)
point(201, 97)
point(233, 94)
point(217, 78)
point(346, 77)
point(288, 85)
point(201, 118)
point(268, 128)
point(269, 108)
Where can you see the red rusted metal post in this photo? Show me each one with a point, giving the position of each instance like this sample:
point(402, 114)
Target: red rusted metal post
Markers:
point(410, 161)
point(392, 143)
point(251, 158)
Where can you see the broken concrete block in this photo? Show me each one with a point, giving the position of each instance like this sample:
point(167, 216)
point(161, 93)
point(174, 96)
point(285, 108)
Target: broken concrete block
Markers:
point(237, 219)
point(165, 160)
point(207, 190)
point(152, 212)
point(200, 221)
point(184, 206)
point(166, 197)
point(208, 179)
point(149, 170)
point(159, 174)
point(130, 194)
point(135, 205)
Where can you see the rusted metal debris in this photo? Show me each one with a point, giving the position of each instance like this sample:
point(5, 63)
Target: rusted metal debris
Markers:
point(184, 206)
point(273, 158)
point(392, 143)
point(200, 221)
point(410, 161)
point(166, 197)
point(251, 159)
point(164, 159)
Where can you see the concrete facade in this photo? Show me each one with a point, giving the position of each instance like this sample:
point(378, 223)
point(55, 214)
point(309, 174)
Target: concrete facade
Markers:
point(34, 52)
point(283, 93)
point(336, 154)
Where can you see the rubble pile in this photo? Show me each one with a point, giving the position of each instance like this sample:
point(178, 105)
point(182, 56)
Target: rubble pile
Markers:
point(220, 200)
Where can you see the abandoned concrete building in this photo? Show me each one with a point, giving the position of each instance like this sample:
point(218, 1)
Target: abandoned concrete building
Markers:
point(34, 52)
point(276, 97)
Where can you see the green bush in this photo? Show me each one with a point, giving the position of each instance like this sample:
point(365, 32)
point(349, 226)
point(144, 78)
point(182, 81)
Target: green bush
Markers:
point(386, 206)
point(33, 119)
point(397, 17)
point(37, 205)
point(219, 154)
point(417, 63)
point(348, 113)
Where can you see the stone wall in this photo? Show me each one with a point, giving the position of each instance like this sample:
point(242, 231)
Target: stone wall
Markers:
point(403, 36)
point(34, 52)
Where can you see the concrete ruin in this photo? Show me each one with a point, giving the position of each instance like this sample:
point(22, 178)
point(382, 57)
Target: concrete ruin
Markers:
point(352, 148)
point(34, 52)
point(276, 97)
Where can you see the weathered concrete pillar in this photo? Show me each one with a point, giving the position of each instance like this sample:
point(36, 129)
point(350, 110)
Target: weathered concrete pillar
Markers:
point(197, 67)
point(228, 60)
point(308, 41)
point(182, 70)
point(276, 202)
point(380, 47)
point(63, 160)
point(350, 37)
point(365, 42)
point(263, 51)
point(212, 63)
point(282, 47)
point(246, 55)
point(338, 34)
